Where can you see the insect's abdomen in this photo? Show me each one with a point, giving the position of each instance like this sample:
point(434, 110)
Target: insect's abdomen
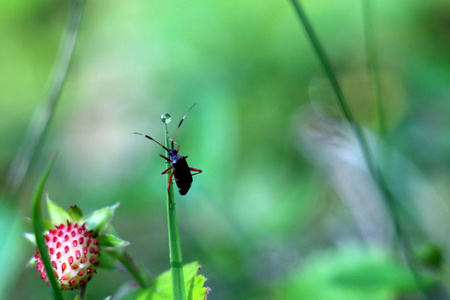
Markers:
point(182, 175)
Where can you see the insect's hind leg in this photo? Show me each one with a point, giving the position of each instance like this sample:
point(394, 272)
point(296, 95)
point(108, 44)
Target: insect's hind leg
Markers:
point(195, 170)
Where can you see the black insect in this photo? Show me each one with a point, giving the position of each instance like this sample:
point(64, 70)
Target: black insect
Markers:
point(180, 169)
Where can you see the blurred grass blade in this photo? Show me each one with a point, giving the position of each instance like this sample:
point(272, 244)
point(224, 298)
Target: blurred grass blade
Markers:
point(39, 230)
point(374, 170)
point(12, 247)
point(42, 117)
point(372, 64)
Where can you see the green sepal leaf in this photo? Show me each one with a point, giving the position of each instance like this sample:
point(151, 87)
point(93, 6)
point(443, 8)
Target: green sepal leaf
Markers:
point(30, 237)
point(31, 262)
point(107, 261)
point(161, 288)
point(75, 213)
point(39, 228)
point(47, 225)
point(110, 240)
point(99, 220)
point(58, 215)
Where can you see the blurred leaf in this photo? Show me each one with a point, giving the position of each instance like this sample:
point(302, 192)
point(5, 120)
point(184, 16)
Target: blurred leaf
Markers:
point(161, 288)
point(98, 220)
point(75, 213)
point(11, 247)
point(431, 255)
point(109, 240)
point(350, 273)
point(58, 215)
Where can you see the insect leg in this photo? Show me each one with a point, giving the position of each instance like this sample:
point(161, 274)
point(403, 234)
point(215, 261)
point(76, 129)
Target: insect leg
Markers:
point(166, 158)
point(170, 181)
point(166, 171)
point(173, 142)
point(195, 170)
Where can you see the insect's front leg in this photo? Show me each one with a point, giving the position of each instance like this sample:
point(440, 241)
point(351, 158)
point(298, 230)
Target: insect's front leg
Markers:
point(166, 158)
point(166, 170)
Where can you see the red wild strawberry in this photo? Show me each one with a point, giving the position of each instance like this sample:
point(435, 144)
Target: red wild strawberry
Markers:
point(74, 254)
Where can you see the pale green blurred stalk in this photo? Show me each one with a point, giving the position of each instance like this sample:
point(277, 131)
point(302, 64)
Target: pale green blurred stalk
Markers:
point(43, 115)
point(365, 149)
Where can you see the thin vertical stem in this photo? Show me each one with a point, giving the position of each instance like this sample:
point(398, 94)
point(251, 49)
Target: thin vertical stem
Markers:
point(176, 260)
point(325, 63)
point(131, 266)
point(83, 293)
point(42, 117)
point(372, 65)
point(372, 167)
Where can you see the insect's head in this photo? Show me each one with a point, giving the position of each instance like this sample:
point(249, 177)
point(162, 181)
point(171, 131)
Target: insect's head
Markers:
point(172, 152)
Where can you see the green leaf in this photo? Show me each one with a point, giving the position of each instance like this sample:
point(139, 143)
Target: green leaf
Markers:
point(58, 215)
point(99, 220)
point(75, 213)
point(31, 262)
point(38, 230)
point(109, 240)
point(161, 288)
point(47, 225)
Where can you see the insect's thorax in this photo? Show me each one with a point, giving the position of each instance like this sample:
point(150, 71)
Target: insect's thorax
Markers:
point(174, 156)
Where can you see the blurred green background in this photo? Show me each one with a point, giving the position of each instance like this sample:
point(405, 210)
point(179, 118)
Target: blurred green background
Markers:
point(284, 208)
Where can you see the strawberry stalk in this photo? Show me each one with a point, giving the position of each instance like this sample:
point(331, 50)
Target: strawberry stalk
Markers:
point(39, 229)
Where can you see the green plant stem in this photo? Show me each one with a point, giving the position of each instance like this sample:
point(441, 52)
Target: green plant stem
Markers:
point(83, 292)
point(129, 264)
point(368, 157)
point(42, 117)
point(176, 260)
point(39, 230)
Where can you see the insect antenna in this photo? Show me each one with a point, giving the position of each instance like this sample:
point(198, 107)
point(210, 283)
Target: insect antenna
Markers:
point(181, 122)
point(150, 138)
